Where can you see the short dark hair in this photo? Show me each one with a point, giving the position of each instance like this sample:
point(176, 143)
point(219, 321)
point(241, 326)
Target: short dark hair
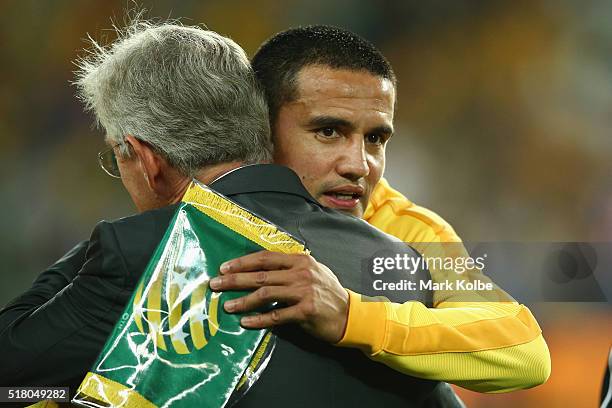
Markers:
point(280, 58)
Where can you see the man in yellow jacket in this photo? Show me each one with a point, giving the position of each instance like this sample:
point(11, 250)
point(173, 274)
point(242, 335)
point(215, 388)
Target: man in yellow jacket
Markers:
point(331, 96)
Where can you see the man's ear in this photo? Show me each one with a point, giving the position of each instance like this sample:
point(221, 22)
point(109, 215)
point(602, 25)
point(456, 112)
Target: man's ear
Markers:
point(151, 163)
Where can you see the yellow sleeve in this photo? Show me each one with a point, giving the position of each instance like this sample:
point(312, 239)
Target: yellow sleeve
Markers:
point(490, 345)
point(485, 347)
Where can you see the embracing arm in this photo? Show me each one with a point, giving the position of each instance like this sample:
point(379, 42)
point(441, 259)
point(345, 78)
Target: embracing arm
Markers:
point(481, 346)
point(483, 342)
point(46, 285)
point(51, 334)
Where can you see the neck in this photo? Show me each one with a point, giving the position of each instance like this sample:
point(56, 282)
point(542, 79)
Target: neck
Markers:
point(206, 175)
point(209, 174)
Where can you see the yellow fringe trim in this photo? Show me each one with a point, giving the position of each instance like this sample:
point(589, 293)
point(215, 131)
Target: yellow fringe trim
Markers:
point(110, 393)
point(241, 221)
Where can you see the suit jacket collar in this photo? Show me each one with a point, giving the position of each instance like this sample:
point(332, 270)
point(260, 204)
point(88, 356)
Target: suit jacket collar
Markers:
point(261, 177)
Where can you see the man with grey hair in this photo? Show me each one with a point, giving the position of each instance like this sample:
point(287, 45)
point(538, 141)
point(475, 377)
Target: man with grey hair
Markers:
point(178, 103)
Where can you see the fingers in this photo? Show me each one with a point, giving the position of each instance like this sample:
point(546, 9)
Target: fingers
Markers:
point(272, 318)
point(261, 297)
point(310, 292)
point(263, 260)
point(243, 281)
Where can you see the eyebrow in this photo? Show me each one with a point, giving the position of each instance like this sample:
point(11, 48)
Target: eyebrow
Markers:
point(332, 121)
point(381, 130)
point(329, 121)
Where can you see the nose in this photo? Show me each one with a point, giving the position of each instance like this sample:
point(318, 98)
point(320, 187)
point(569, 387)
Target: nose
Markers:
point(353, 163)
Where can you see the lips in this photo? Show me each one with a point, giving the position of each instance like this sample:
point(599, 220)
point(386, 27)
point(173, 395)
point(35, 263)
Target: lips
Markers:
point(344, 197)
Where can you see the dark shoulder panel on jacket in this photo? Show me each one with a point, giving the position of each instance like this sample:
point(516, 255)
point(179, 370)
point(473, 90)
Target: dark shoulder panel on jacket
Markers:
point(351, 244)
point(137, 237)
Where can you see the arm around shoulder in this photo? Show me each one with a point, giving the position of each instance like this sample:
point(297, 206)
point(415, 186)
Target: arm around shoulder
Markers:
point(54, 342)
point(483, 346)
point(490, 345)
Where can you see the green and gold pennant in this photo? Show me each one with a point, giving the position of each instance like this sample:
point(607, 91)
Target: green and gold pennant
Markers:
point(174, 345)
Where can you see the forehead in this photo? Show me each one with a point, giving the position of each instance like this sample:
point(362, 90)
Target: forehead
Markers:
point(324, 87)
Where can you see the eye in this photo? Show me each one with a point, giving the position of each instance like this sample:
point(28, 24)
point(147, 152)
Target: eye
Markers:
point(327, 132)
point(374, 138)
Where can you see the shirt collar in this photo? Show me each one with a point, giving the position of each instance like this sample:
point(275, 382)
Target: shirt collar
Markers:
point(261, 177)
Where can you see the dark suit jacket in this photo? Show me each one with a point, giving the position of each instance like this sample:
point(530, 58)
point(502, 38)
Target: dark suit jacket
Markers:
point(52, 334)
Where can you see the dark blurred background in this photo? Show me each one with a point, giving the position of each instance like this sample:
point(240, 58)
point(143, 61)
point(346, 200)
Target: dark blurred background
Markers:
point(503, 127)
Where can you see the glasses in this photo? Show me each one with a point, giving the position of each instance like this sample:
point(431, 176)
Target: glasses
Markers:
point(108, 161)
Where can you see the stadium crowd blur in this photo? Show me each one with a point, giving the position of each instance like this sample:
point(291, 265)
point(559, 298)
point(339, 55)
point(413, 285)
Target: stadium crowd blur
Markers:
point(503, 126)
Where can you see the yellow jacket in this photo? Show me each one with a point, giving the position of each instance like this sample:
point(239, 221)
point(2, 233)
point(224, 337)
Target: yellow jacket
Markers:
point(492, 345)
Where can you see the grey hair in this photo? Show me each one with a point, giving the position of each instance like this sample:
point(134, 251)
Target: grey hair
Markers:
point(188, 92)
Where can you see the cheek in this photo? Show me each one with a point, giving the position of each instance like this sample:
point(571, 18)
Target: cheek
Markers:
point(134, 183)
point(306, 169)
point(377, 168)
point(311, 169)
point(132, 187)
point(296, 153)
